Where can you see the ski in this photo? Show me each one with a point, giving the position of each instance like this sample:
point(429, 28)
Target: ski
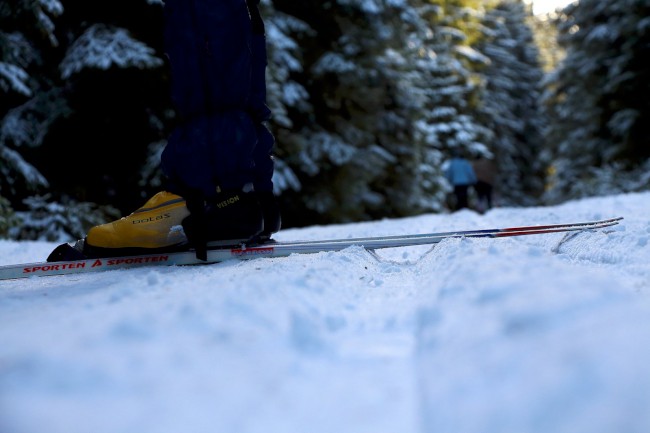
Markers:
point(280, 249)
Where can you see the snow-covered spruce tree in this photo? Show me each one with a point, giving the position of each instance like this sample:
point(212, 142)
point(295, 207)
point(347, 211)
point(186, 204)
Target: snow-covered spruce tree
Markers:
point(28, 103)
point(8, 218)
point(415, 181)
point(31, 102)
point(510, 103)
point(544, 29)
point(44, 52)
point(54, 221)
point(600, 98)
point(450, 120)
point(287, 98)
point(348, 149)
point(117, 86)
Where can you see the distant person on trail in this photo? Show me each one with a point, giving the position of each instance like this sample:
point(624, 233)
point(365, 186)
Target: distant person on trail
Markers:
point(485, 171)
point(217, 162)
point(461, 176)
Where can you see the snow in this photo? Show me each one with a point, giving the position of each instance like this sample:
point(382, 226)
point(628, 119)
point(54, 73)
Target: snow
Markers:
point(542, 333)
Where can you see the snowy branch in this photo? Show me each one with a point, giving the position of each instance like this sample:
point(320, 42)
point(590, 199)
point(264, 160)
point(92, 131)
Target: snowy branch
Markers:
point(102, 47)
point(14, 78)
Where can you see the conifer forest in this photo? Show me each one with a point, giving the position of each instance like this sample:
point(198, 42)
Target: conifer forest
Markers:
point(369, 99)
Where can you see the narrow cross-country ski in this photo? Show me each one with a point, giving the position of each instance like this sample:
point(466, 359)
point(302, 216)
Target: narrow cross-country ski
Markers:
point(281, 249)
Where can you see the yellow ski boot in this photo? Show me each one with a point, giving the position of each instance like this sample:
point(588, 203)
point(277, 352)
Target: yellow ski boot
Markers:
point(155, 226)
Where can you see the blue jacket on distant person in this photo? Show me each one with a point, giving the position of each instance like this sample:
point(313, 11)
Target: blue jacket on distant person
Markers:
point(460, 172)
